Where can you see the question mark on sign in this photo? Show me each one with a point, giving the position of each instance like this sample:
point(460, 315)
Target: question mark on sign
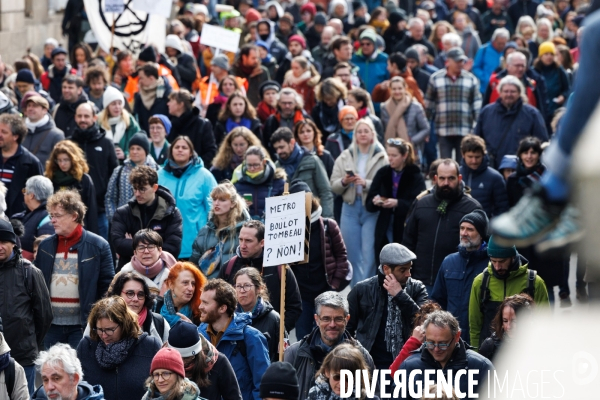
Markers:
point(269, 253)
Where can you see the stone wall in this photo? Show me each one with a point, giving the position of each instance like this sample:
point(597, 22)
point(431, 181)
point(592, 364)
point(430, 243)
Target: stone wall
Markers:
point(26, 24)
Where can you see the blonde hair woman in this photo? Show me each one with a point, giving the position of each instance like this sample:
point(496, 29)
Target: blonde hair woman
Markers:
point(231, 152)
point(217, 241)
point(353, 173)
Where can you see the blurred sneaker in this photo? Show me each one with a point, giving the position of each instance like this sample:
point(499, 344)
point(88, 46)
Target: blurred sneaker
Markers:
point(567, 232)
point(528, 221)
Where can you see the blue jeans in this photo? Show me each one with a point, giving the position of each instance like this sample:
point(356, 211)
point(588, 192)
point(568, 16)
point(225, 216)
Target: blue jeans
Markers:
point(358, 232)
point(103, 226)
point(306, 322)
point(69, 334)
point(30, 376)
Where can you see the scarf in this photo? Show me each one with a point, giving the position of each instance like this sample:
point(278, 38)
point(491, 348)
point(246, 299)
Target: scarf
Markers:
point(119, 131)
point(151, 93)
point(31, 126)
point(4, 360)
point(63, 179)
point(291, 163)
point(348, 134)
point(363, 112)
point(396, 127)
point(298, 116)
point(142, 316)
point(393, 328)
point(292, 80)
point(329, 116)
point(529, 176)
point(190, 392)
point(264, 111)
point(258, 178)
point(112, 355)
point(235, 161)
point(176, 170)
point(170, 314)
point(247, 70)
point(165, 260)
point(220, 99)
point(210, 352)
point(230, 124)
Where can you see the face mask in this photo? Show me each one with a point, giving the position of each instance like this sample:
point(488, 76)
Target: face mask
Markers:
point(264, 37)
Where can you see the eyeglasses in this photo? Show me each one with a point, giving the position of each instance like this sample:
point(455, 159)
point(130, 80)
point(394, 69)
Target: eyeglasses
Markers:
point(24, 191)
point(140, 190)
point(337, 320)
point(349, 119)
point(253, 166)
point(106, 331)
point(442, 346)
point(56, 216)
point(244, 288)
point(164, 375)
point(131, 294)
point(150, 248)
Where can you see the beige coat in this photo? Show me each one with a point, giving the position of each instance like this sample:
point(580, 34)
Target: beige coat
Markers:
point(346, 162)
point(20, 391)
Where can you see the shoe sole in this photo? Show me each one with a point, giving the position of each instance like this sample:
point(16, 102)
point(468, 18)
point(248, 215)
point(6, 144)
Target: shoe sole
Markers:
point(563, 242)
point(524, 242)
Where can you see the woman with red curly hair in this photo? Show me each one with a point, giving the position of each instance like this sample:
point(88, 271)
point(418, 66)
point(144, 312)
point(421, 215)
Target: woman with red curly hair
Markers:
point(181, 301)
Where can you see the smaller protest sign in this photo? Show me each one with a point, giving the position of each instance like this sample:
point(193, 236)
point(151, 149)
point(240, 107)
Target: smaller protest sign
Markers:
point(114, 6)
point(220, 38)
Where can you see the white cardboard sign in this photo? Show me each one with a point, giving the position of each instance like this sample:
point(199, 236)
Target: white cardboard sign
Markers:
point(155, 7)
point(285, 221)
point(114, 6)
point(220, 38)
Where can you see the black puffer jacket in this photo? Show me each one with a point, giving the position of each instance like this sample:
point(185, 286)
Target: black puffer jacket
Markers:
point(199, 130)
point(167, 221)
point(101, 158)
point(490, 347)
point(64, 115)
point(367, 300)
point(26, 318)
point(31, 221)
point(26, 166)
point(432, 234)
point(306, 356)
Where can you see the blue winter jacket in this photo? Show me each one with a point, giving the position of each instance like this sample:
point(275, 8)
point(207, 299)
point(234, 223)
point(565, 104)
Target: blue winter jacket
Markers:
point(250, 368)
point(85, 391)
point(486, 61)
point(487, 187)
point(494, 119)
point(462, 359)
point(192, 196)
point(452, 289)
point(372, 70)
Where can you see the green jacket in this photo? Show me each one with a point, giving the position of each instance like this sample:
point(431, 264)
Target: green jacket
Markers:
point(312, 172)
point(133, 128)
point(500, 289)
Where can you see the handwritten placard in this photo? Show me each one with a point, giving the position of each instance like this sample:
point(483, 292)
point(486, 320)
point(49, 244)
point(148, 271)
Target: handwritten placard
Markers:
point(285, 222)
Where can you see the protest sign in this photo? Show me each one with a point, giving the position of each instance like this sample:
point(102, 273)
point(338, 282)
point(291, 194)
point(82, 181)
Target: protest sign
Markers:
point(285, 224)
point(114, 6)
point(155, 7)
point(220, 38)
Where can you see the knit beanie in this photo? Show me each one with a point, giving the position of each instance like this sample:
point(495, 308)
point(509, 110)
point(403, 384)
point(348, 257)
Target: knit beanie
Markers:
point(479, 219)
point(7, 234)
point(165, 121)
point(280, 382)
point(25, 75)
point(497, 251)
point(140, 139)
point(299, 39)
point(545, 48)
point(112, 94)
point(252, 15)
point(148, 55)
point(310, 8)
point(269, 85)
point(221, 61)
point(369, 34)
point(412, 54)
point(168, 359)
point(347, 110)
point(184, 338)
point(298, 185)
point(320, 19)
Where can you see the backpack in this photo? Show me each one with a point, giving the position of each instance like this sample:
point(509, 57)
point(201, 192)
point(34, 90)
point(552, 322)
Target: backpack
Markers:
point(231, 263)
point(9, 377)
point(485, 290)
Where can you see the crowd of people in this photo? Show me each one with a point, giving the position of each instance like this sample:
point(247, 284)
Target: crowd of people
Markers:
point(134, 185)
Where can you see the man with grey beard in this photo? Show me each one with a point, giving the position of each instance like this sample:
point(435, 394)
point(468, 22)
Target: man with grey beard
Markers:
point(458, 270)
